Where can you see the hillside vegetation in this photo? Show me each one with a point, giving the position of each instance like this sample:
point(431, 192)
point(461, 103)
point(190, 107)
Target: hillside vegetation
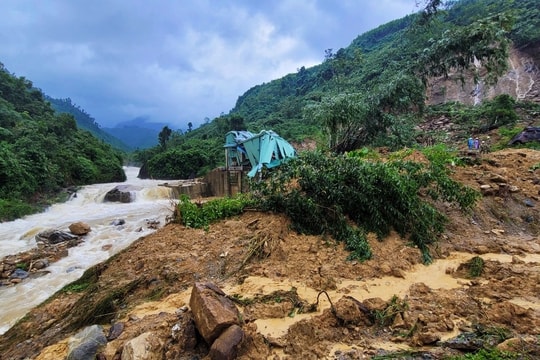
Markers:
point(86, 122)
point(373, 92)
point(42, 153)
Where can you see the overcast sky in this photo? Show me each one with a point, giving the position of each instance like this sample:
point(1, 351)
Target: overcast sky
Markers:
point(174, 61)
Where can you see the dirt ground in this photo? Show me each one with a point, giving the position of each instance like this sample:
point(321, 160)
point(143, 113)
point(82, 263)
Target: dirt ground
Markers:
point(276, 276)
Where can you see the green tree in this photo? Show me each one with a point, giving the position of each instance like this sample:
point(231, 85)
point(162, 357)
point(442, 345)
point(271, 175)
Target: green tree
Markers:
point(164, 136)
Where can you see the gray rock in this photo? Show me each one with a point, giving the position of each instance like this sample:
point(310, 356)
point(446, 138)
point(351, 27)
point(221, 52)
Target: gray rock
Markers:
point(19, 274)
point(86, 343)
point(122, 193)
point(115, 331)
point(118, 222)
point(53, 237)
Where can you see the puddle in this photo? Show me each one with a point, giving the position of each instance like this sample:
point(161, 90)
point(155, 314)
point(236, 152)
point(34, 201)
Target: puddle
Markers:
point(436, 276)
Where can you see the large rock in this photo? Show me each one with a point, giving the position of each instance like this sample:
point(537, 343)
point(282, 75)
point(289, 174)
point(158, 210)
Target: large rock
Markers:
point(121, 193)
point(146, 346)
point(53, 236)
point(226, 345)
point(212, 311)
point(184, 333)
point(79, 228)
point(86, 343)
point(351, 311)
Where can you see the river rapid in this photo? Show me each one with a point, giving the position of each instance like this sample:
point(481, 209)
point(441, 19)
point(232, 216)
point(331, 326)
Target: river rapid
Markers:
point(152, 203)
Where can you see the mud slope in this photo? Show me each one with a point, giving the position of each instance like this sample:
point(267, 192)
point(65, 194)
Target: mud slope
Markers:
point(277, 275)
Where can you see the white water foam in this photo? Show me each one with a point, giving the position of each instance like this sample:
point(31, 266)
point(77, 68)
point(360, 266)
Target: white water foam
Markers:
point(152, 203)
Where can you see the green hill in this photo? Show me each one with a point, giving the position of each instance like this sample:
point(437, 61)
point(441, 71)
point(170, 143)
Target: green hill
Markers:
point(43, 152)
point(373, 92)
point(86, 122)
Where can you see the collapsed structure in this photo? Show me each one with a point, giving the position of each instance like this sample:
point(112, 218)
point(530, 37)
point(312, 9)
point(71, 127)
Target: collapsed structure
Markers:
point(245, 151)
point(245, 154)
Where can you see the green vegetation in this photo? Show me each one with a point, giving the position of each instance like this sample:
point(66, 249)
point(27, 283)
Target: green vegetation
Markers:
point(349, 197)
point(386, 317)
point(75, 288)
point(201, 215)
point(324, 193)
point(488, 354)
point(85, 121)
point(42, 152)
point(476, 266)
point(372, 93)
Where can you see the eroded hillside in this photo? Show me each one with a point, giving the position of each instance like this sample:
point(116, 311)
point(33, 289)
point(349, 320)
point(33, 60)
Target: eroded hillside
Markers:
point(276, 276)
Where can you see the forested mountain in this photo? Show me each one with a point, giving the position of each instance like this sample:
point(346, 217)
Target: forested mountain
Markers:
point(86, 122)
point(373, 93)
point(42, 152)
point(137, 133)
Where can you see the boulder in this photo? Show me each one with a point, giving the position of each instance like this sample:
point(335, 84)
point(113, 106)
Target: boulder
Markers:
point(115, 331)
point(79, 228)
point(351, 311)
point(184, 333)
point(146, 346)
point(86, 343)
point(121, 193)
point(53, 236)
point(212, 311)
point(225, 347)
point(118, 222)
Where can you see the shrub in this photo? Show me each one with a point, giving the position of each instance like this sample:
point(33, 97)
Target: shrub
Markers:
point(348, 197)
point(198, 216)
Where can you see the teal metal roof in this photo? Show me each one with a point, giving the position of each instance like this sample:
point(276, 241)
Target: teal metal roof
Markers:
point(266, 149)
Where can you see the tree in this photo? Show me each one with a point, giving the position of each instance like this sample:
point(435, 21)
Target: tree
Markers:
point(164, 136)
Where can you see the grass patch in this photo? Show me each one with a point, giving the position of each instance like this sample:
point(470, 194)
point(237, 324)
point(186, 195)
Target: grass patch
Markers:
point(476, 266)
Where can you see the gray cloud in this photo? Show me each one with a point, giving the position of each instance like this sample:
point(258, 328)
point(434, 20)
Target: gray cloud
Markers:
point(174, 61)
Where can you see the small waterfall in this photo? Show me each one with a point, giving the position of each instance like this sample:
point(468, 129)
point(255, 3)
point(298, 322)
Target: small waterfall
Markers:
point(151, 202)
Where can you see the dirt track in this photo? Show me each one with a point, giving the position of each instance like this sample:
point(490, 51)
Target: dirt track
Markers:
point(256, 255)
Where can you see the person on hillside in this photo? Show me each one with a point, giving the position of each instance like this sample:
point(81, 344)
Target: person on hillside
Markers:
point(470, 143)
point(476, 143)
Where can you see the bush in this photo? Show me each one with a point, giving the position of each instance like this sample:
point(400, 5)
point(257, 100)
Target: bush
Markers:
point(201, 215)
point(348, 197)
point(14, 209)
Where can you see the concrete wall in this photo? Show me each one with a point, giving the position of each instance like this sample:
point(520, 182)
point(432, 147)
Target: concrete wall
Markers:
point(223, 182)
point(218, 182)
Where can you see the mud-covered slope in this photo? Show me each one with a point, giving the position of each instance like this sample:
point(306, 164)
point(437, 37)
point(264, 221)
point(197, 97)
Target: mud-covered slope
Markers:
point(280, 274)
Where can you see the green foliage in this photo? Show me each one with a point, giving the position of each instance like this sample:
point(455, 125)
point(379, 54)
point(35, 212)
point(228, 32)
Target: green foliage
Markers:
point(196, 215)
point(42, 152)
point(476, 266)
point(14, 209)
point(85, 121)
point(75, 288)
point(386, 316)
point(348, 197)
point(22, 266)
point(183, 158)
point(457, 48)
point(487, 354)
point(164, 136)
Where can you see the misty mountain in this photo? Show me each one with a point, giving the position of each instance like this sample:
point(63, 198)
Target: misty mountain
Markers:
point(138, 133)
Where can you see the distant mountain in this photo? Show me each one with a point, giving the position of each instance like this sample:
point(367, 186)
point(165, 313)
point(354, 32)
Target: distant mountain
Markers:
point(86, 122)
point(138, 133)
